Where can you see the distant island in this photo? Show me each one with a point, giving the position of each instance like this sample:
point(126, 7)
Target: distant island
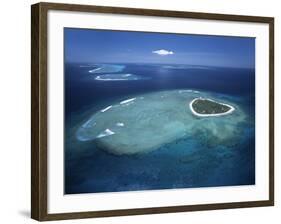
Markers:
point(204, 107)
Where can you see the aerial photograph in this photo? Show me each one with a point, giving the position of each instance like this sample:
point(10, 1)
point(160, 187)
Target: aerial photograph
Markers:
point(157, 111)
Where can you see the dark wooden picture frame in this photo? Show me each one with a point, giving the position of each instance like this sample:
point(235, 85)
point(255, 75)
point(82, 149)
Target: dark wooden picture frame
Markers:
point(39, 147)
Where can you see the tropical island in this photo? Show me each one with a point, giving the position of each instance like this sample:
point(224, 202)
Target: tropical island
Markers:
point(204, 107)
point(146, 122)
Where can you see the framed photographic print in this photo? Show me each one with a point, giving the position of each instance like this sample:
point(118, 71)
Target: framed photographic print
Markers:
point(138, 111)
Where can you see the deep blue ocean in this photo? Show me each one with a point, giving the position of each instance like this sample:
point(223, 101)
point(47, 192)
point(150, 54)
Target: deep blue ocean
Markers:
point(88, 169)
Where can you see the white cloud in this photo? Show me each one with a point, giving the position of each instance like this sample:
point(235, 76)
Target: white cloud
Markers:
point(162, 52)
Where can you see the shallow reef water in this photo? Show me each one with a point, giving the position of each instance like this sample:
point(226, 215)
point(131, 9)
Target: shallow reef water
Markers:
point(145, 122)
point(112, 72)
point(106, 68)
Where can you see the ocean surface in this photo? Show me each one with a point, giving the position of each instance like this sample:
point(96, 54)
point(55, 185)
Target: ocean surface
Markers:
point(189, 162)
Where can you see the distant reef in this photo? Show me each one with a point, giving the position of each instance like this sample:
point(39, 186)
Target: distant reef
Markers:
point(106, 68)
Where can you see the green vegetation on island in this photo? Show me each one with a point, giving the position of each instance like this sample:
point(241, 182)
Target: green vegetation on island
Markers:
point(206, 106)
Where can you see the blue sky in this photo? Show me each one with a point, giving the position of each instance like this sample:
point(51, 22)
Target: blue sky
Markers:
point(97, 46)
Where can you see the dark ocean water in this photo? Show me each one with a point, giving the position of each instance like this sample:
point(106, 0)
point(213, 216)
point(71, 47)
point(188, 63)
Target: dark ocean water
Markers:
point(190, 163)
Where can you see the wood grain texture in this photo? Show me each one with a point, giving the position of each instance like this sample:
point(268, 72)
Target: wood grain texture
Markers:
point(271, 111)
point(38, 112)
point(34, 113)
point(39, 203)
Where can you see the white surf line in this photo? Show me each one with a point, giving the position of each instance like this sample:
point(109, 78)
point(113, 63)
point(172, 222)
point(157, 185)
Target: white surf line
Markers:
point(120, 124)
point(121, 77)
point(127, 101)
point(94, 70)
point(105, 109)
point(109, 79)
point(127, 75)
point(189, 91)
point(210, 115)
point(86, 124)
point(106, 132)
